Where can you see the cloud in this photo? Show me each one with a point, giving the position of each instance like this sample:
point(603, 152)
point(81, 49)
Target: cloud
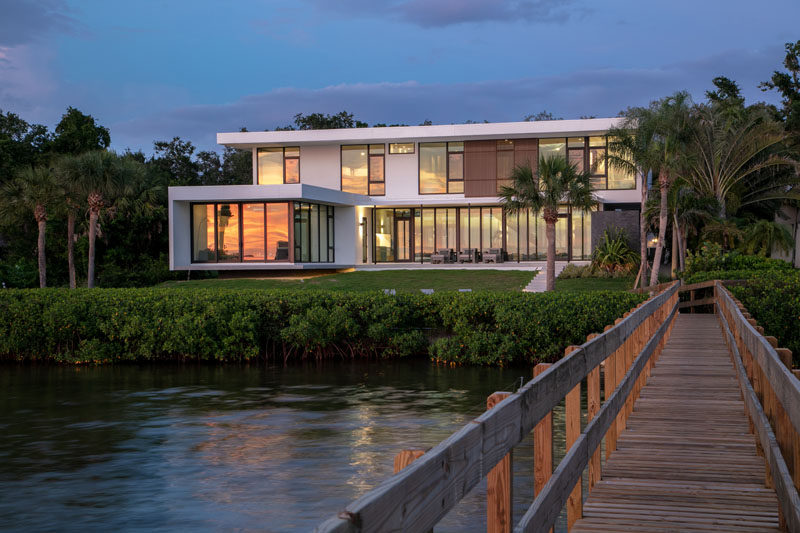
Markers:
point(599, 92)
point(25, 21)
point(26, 83)
point(441, 13)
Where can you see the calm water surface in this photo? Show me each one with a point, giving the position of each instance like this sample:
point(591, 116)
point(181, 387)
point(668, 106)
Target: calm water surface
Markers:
point(265, 448)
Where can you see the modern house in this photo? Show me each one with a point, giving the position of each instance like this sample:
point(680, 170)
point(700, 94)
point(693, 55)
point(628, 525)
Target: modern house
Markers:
point(349, 197)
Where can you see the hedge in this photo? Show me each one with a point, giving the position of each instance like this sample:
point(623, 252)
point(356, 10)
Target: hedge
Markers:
point(109, 325)
point(773, 298)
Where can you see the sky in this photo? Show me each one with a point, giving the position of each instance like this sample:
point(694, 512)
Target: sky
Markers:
point(152, 70)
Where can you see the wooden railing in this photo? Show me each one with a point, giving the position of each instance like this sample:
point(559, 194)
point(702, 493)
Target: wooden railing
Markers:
point(771, 394)
point(422, 493)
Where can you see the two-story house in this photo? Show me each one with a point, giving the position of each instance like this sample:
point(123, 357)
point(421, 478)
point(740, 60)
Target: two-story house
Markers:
point(349, 197)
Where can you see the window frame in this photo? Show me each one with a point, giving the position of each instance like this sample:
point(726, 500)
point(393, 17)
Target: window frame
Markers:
point(370, 181)
point(240, 207)
point(413, 148)
point(447, 152)
point(283, 164)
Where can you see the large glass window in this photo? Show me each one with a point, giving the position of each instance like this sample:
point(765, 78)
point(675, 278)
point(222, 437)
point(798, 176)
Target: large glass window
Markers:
point(363, 169)
point(278, 165)
point(203, 236)
point(441, 168)
point(277, 232)
point(552, 147)
point(505, 163)
point(354, 169)
point(577, 152)
point(228, 232)
point(428, 233)
point(309, 246)
point(512, 236)
point(432, 168)
point(253, 232)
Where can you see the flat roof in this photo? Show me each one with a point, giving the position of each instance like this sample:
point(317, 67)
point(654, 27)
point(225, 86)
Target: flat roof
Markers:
point(398, 134)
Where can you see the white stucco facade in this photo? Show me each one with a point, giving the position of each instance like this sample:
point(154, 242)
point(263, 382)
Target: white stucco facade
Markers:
point(320, 170)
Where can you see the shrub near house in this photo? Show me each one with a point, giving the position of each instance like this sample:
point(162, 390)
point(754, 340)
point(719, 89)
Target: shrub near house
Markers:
point(107, 325)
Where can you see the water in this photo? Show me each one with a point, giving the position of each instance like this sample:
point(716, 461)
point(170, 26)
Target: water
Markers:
point(207, 448)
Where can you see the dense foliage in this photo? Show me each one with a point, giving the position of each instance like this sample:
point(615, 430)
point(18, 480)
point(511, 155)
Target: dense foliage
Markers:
point(105, 325)
point(613, 254)
point(773, 298)
point(710, 262)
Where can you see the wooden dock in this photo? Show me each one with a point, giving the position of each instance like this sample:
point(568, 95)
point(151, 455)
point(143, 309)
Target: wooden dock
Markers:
point(699, 422)
point(687, 460)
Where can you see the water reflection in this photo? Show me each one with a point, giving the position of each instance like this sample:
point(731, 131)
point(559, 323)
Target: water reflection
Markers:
point(210, 448)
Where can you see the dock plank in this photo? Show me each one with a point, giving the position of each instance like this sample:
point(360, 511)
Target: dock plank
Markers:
point(686, 460)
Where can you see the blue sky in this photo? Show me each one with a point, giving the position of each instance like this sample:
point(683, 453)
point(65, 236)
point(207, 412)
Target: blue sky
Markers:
point(151, 70)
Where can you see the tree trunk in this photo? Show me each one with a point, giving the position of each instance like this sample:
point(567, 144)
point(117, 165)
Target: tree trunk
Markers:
point(41, 220)
point(71, 248)
point(662, 226)
point(93, 214)
point(675, 249)
point(550, 218)
point(643, 233)
point(682, 236)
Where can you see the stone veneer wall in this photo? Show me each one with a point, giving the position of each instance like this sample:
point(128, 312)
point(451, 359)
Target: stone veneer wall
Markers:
point(627, 220)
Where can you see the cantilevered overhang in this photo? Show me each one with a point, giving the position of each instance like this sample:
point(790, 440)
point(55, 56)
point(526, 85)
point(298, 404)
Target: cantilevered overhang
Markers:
point(244, 193)
point(398, 134)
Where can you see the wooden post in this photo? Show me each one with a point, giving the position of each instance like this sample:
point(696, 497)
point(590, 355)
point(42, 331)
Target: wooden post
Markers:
point(406, 457)
point(592, 408)
point(621, 369)
point(609, 386)
point(542, 444)
point(499, 484)
point(572, 419)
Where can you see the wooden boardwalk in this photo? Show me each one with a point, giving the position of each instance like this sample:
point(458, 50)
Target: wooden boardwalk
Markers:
point(687, 460)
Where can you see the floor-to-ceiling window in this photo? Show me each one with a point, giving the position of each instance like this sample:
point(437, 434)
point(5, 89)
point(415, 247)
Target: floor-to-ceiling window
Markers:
point(415, 234)
point(312, 244)
point(227, 232)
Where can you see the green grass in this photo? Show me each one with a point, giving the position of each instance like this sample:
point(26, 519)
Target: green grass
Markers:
point(401, 280)
point(594, 284)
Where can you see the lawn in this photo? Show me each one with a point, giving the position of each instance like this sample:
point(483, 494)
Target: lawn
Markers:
point(401, 280)
point(594, 284)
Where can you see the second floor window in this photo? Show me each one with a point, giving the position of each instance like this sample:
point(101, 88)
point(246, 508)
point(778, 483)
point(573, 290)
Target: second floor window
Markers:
point(363, 169)
point(441, 168)
point(278, 165)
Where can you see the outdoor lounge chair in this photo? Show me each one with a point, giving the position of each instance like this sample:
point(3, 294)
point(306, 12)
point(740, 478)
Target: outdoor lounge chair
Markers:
point(444, 255)
point(493, 255)
point(468, 255)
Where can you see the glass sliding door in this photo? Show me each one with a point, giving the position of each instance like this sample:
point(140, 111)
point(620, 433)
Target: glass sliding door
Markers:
point(402, 225)
point(277, 232)
point(512, 236)
point(384, 235)
point(428, 233)
point(228, 232)
point(253, 236)
point(562, 238)
point(203, 236)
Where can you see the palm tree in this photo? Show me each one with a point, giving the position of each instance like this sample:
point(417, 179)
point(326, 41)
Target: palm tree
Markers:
point(68, 174)
point(653, 140)
point(739, 161)
point(32, 191)
point(627, 152)
point(690, 212)
point(103, 175)
point(724, 232)
point(557, 182)
point(764, 236)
